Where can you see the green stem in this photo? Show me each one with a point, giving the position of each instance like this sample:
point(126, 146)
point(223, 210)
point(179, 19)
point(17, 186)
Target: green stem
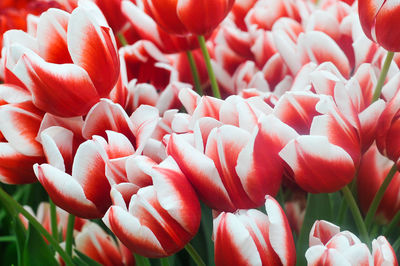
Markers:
point(393, 224)
point(342, 211)
point(53, 219)
point(164, 262)
point(7, 238)
point(11, 203)
point(122, 39)
point(382, 76)
point(211, 75)
point(195, 256)
point(70, 234)
point(356, 214)
point(396, 245)
point(379, 195)
point(195, 72)
point(141, 261)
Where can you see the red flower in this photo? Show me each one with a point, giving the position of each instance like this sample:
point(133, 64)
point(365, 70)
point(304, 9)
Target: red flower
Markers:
point(387, 138)
point(249, 237)
point(19, 124)
point(194, 16)
point(373, 169)
point(377, 19)
point(329, 246)
point(70, 51)
point(157, 213)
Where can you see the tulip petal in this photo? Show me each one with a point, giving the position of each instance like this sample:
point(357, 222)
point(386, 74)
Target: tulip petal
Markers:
point(136, 236)
point(54, 87)
point(259, 166)
point(223, 146)
point(19, 124)
point(89, 171)
point(201, 172)
point(92, 47)
point(233, 243)
point(52, 36)
point(58, 147)
point(176, 195)
point(383, 252)
point(65, 191)
point(16, 168)
point(318, 166)
point(104, 116)
point(146, 207)
point(280, 234)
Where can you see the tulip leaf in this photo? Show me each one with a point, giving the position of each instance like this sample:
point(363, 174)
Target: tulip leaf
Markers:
point(319, 207)
point(83, 260)
point(20, 237)
point(37, 251)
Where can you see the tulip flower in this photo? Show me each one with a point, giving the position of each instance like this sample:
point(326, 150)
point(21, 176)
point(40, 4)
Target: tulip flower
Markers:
point(43, 216)
point(148, 29)
point(95, 243)
point(329, 246)
point(376, 18)
point(19, 125)
point(389, 127)
point(374, 167)
point(83, 192)
point(183, 17)
point(157, 218)
point(70, 51)
point(383, 252)
point(249, 237)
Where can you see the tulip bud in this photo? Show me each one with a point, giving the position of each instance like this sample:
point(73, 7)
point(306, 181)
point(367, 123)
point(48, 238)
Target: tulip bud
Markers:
point(183, 17)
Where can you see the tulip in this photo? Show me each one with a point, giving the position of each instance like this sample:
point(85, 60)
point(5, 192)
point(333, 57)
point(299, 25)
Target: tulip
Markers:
point(318, 165)
point(182, 17)
point(19, 125)
point(148, 29)
point(249, 237)
point(389, 127)
point(85, 191)
point(383, 252)
point(70, 51)
point(95, 243)
point(158, 217)
point(232, 169)
point(43, 216)
point(376, 18)
point(374, 168)
point(329, 246)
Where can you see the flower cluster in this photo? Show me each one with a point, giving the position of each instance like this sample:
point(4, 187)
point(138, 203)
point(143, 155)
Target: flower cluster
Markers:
point(228, 126)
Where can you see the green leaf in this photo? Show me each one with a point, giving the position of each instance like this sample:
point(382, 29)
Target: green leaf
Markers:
point(37, 251)
point(20, 237)
point(319, 207)
point(83, 260)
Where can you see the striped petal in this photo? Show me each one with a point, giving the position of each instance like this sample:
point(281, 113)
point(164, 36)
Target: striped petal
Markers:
point(53, 86)
point(66, 192)
point(52, 36)
point(201, 172)
point(223, 146)
point(92, 46)
point(259, 166)
point(16, 168)
point(318, 166)
point(19, 124)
